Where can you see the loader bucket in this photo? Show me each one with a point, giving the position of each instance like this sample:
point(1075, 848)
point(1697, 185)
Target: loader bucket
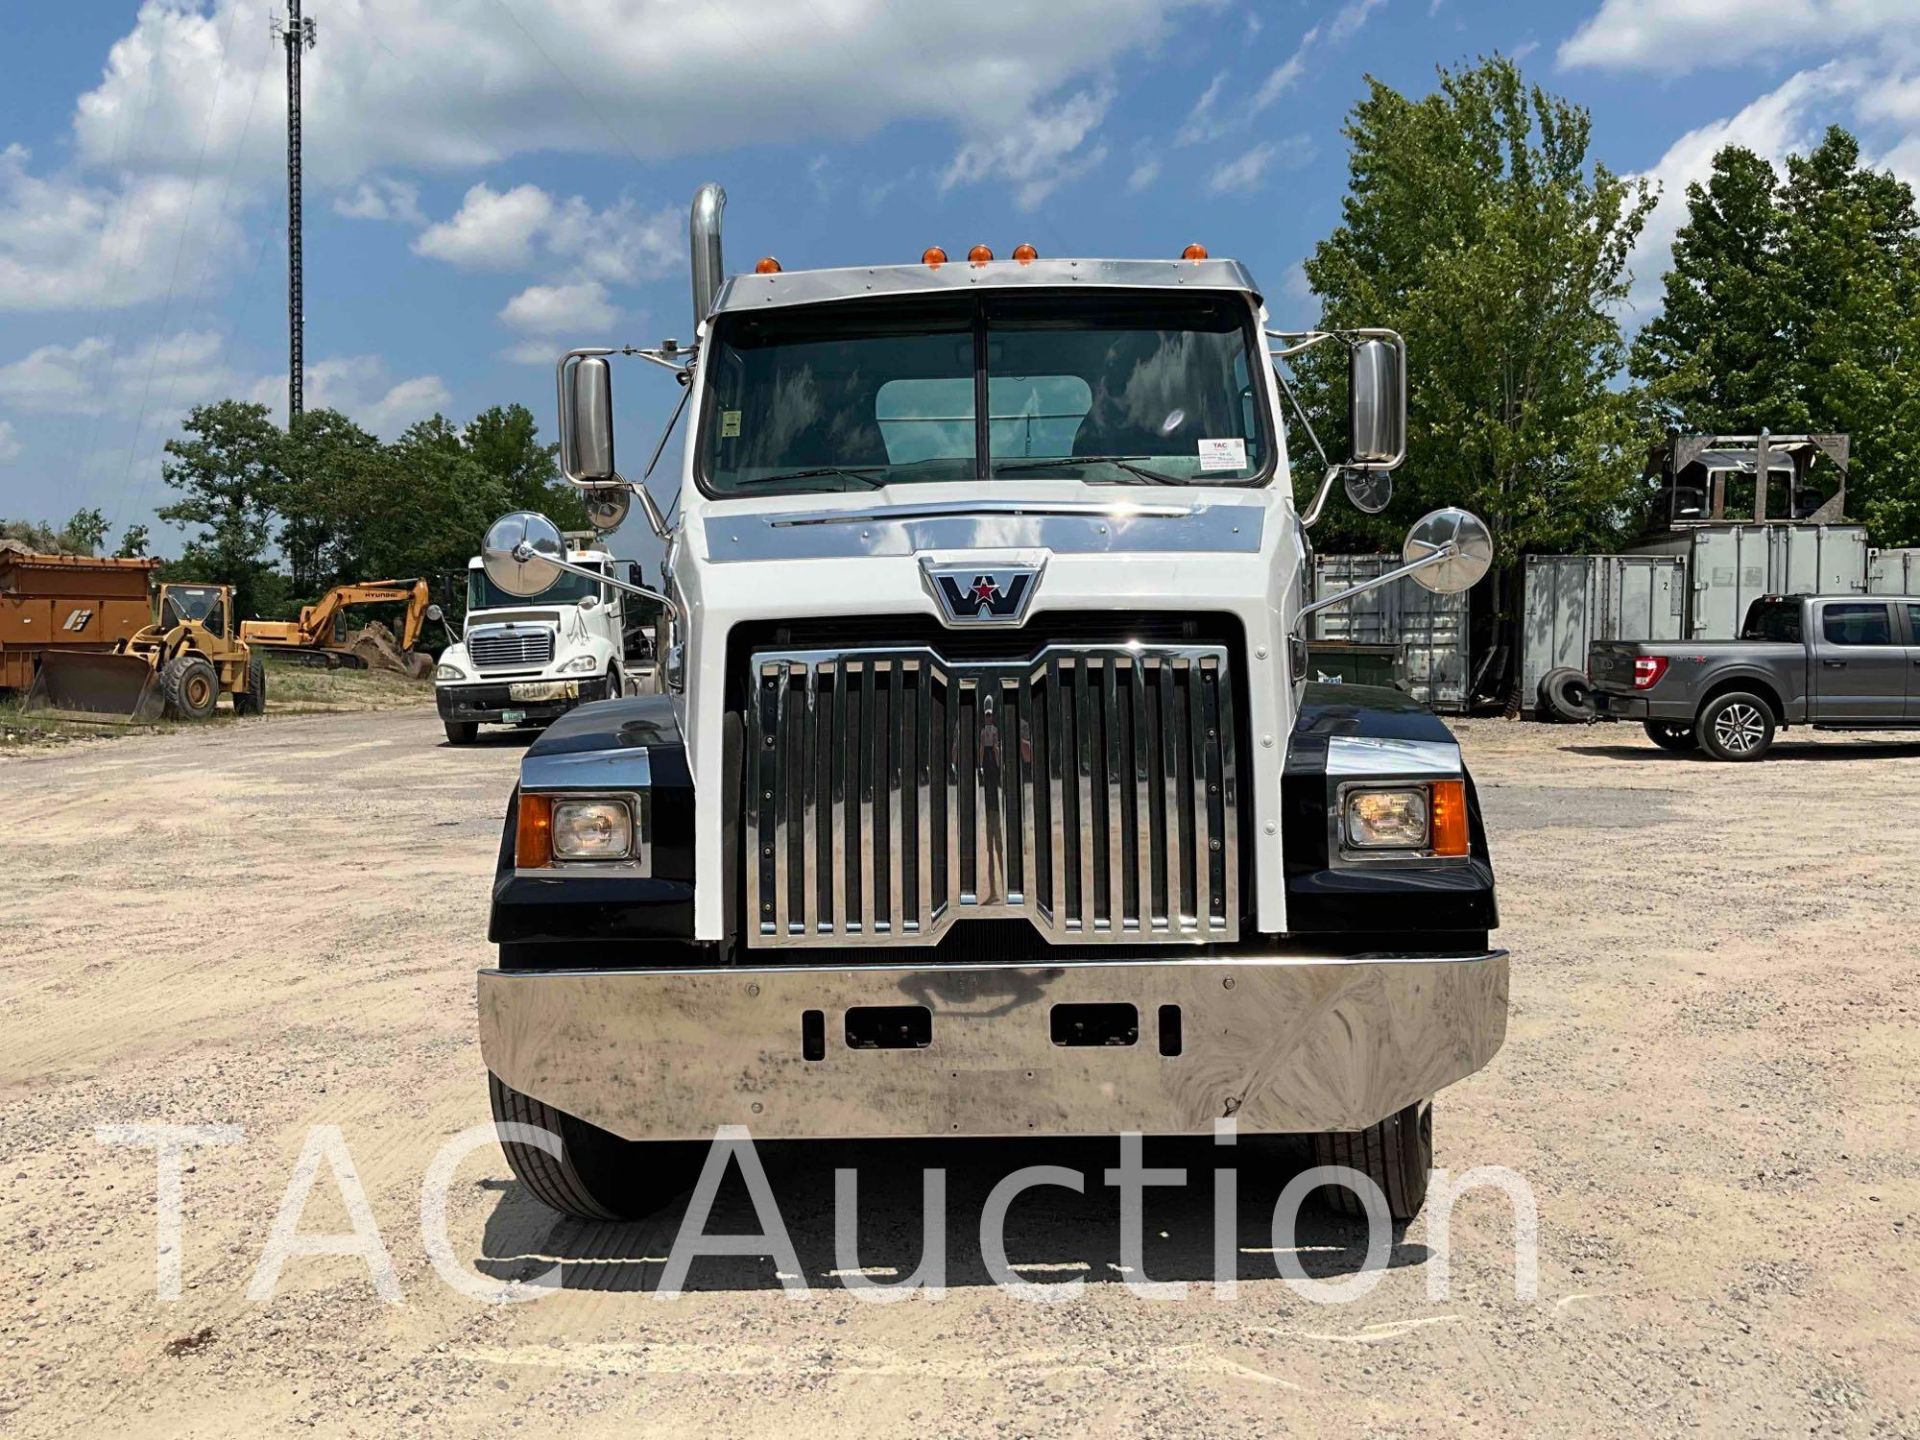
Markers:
point(95, 686)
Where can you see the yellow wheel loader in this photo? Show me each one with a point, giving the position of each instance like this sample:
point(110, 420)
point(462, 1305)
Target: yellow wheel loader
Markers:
point(178, 667)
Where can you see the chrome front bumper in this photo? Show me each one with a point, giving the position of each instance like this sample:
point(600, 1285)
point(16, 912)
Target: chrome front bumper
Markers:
point(1286, 1044)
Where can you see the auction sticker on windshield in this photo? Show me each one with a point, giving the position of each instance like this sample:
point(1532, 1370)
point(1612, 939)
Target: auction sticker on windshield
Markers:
point(1223, 454)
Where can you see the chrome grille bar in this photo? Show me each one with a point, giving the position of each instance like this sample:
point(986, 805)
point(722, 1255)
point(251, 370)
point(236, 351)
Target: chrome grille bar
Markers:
point(1087, 789)
point(501, 649)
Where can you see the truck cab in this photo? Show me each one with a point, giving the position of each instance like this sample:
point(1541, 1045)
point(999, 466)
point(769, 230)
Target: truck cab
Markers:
point(525, 660)
point(987, 794)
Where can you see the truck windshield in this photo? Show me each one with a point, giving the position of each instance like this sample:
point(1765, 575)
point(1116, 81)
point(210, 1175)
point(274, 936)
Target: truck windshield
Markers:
point(483, 594)
point(1111, 388)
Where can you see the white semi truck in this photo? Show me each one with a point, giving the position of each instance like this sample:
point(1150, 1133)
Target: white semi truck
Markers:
point(986, 794)
point(528, 659)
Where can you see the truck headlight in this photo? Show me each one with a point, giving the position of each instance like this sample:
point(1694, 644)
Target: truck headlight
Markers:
point(580, 665)
point(592, 830)
point(444, 671)
point(1427, 819)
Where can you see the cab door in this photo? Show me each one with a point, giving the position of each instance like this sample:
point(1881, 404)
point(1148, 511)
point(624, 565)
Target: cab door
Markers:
point(1913, 661)
point(1860, 663)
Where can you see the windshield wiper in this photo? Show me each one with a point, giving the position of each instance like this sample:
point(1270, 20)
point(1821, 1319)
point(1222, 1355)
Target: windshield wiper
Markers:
point(863, 473)
point(1071, 462)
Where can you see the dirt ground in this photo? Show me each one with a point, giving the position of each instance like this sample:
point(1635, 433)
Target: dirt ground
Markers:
point(1708, 1082)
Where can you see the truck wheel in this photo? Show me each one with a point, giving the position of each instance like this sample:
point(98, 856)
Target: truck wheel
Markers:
point(614, 690)
point(1736, 726)
point(597, 1175)
point(192, 687)
point(1566, 695)
point(461, 732)
point(253, 701)
point(1396, 1154)
point(1672, 735)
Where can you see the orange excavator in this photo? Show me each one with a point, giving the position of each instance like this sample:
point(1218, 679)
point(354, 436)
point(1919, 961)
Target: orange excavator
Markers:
point(320, 634)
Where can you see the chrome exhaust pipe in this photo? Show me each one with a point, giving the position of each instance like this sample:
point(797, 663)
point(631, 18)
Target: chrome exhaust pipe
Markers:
point(703, 238)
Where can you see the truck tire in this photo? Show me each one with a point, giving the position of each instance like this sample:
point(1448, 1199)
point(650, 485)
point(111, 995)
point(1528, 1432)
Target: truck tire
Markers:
point(614, 688)
point(253, 700)
point(1674, 735)
point(191, 686)
point(597, 1175)
point(1565, 694)
point(1396, 1154)
point(461, 732)
point(1735, 726)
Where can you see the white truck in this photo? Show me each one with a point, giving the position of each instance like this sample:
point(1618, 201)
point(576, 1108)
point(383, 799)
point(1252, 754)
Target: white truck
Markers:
point(527, 659)
point(986, 794)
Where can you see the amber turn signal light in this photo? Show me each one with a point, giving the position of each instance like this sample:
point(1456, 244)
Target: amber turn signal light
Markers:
point(533, 836)
point(1449, 817)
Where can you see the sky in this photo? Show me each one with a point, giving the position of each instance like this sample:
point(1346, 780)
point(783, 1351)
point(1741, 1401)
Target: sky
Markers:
point(489, 182)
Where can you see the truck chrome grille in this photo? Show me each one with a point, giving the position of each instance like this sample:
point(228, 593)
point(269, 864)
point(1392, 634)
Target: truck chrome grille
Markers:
point(1087, 789)
point(510, 649)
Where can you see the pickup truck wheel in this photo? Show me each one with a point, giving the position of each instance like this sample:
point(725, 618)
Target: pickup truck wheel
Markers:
point(1736, 726)
point(597, 1175)
point(1396, 1154)
point(461, 732)
point(1672, 735)
point(1565, 694)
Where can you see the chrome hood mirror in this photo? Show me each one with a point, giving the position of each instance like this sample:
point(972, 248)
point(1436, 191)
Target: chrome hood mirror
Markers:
point(523, 553)
point(1452, 549)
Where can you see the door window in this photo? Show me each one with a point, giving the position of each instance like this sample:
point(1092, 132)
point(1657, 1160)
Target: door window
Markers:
point(1857, 625)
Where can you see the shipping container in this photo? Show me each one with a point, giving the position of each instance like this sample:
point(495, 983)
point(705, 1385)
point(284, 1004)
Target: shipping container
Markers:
point(1432, 630)
point(1573, 600)
point(1893, 572)
point(1349, 662)
point(1731, 566)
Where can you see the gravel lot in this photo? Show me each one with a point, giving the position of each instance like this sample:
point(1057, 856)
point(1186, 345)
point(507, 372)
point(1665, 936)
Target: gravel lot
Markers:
point(1709, 1082)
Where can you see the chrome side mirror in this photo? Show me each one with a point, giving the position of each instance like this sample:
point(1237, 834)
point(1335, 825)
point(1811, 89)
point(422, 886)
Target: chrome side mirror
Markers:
point(434, 612)
point(1377, 404)
point(523, 553)
point(587, 409)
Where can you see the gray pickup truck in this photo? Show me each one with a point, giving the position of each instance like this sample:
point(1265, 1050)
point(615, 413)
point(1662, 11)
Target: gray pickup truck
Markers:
point(1841, 662)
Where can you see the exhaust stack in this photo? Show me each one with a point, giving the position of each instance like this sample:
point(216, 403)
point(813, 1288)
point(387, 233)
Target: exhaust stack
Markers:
point(703, 238)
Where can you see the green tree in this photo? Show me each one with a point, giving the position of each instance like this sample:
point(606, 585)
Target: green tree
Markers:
point(83, 534)
point(227, 467)
point(505, 440)
point(133, 543)
point(1795, 306)
point(1476, 226)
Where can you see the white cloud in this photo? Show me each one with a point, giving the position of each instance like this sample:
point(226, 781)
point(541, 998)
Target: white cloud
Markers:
point(381, 197)
point(1294, 284)
point(1675, 36)
point(1210, 120)
point(1144, 174)
point(94, 376)
point(553, 309)
point(1042, 155)
point(67, 244)
point(491, 230)
point(10, 446)
point(425, 85)
point(1242, 173)
point(360, 387)
point(1201, 123)
point(1780, 122)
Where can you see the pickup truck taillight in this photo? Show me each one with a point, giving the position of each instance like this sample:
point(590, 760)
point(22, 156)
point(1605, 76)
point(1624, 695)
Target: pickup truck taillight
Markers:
point(1647, 670)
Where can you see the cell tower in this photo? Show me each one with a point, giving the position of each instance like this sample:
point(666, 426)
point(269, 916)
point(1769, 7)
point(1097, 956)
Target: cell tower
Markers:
point(297, 34)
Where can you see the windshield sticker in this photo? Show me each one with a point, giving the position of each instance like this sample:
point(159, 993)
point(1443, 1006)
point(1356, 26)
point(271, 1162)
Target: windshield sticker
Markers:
point(1223, 454)
point(729, 424)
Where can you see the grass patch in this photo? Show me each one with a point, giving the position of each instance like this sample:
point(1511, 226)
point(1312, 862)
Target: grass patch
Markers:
point(294, 688)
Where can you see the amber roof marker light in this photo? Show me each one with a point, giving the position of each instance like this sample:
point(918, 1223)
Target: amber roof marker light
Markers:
point(1195, 251)
point(1025, 253)
point(933, 256)
point(766, 265)
point(979, 255)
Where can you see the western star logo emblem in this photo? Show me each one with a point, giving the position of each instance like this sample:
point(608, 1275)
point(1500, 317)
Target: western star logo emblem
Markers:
point(975, 595)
